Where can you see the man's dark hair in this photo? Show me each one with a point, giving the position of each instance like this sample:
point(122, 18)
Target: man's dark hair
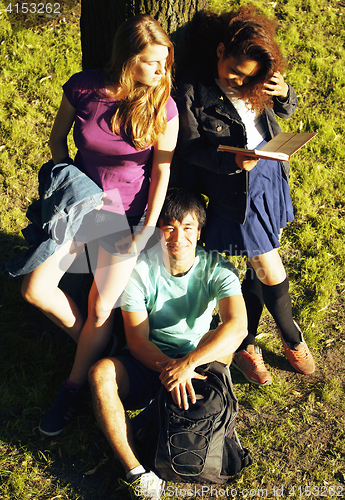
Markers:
point(180, 202)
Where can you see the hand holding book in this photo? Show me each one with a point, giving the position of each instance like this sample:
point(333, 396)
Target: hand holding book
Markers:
point(281, 147)
point(245, 162)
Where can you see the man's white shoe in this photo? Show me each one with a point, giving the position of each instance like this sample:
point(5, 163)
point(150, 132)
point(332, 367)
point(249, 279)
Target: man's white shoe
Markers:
point(144, 486)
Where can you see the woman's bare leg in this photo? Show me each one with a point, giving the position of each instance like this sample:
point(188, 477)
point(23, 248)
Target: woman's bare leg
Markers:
point(41, 289)
point(269, 267)
point(110, 279)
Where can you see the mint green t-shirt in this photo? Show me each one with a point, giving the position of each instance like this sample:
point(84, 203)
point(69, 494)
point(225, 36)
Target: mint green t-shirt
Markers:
point(179, 308)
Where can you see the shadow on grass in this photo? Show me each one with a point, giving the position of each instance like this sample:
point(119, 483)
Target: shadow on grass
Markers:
point(278, 361)
point(35, 356)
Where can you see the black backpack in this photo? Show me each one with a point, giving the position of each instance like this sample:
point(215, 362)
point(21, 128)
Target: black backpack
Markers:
point(199, 444)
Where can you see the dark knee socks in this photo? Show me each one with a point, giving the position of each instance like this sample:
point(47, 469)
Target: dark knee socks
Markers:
point(252, 294)
point(278, 302)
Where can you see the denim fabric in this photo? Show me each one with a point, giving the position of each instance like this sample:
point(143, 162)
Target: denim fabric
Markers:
point(66, 196)
point(207, 119)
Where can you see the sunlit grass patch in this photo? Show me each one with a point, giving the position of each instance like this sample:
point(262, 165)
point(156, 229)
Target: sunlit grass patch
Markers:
point(295, 427)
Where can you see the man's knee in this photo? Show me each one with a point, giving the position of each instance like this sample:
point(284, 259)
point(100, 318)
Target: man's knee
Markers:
point(109, 374)
point(102, 371)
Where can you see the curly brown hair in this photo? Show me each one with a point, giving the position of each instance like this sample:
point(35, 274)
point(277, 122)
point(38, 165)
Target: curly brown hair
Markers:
point(246, 34)
point(249, 35)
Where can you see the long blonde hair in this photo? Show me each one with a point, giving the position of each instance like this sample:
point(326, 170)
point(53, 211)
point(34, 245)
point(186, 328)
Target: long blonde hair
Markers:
point(141, 110)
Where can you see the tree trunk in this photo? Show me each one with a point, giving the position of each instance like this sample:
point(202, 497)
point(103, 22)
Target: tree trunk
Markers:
point(101, 18)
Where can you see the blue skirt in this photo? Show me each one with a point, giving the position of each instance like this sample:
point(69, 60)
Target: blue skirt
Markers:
point(269, 209)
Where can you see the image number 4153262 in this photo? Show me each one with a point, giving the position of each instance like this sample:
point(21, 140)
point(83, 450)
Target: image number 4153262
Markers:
point(34, 8)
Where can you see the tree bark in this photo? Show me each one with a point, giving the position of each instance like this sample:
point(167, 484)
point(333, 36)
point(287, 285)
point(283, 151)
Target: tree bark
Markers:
point(101, 18)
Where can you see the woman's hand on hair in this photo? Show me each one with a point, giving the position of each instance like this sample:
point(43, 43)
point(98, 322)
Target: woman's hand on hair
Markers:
point(277, 86)
point(245, 162)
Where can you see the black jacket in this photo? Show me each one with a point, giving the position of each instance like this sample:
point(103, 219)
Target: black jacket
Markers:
point(207, 119)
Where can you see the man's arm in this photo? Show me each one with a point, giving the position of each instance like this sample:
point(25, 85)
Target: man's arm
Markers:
point(220, 344)
point(137, 335)
point(217, 345)
point(137, 331)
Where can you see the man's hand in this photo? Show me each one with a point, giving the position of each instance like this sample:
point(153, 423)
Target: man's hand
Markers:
point(176, 376)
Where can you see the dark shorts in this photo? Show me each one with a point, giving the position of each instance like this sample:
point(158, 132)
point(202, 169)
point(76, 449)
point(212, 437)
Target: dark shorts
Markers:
point(108, 228)
point(144, 383)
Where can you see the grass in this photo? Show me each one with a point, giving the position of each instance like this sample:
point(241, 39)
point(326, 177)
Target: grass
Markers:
point(294, 428)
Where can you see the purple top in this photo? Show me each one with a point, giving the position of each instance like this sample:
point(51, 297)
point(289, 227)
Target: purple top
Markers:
point(108, 159)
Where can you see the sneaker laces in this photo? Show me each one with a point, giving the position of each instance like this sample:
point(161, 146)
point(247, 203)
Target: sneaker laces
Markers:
point(302, 353)
point(257, 359)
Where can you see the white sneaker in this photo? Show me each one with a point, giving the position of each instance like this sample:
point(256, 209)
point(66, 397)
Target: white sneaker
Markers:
point(146, 485)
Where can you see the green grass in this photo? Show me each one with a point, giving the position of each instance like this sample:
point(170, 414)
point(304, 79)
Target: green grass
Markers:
point(294, 428)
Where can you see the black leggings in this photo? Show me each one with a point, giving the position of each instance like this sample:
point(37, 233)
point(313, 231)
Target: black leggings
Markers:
point(278, 302)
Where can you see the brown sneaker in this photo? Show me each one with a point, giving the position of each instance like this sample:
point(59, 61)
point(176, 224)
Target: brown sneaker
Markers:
point(251, 364)
point(299, 356)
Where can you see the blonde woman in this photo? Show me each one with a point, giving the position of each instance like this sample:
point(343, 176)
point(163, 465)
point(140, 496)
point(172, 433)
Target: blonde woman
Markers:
point(125, 130)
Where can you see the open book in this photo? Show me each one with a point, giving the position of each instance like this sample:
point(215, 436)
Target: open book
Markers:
point(281, 147)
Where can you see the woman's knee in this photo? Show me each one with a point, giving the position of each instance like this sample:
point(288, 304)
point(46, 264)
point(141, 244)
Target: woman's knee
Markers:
point(98, 312)
point(32, 293)
point(269, 268)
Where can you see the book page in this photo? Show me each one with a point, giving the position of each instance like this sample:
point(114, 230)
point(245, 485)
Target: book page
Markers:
point(287, 143)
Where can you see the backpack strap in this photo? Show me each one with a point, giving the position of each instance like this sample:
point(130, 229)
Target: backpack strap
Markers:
point(247, 458)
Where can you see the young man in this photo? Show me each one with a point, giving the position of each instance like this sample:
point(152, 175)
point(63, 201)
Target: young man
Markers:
point(167, 310)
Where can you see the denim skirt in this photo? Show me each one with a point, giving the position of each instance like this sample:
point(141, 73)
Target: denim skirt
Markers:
point(269, 209)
